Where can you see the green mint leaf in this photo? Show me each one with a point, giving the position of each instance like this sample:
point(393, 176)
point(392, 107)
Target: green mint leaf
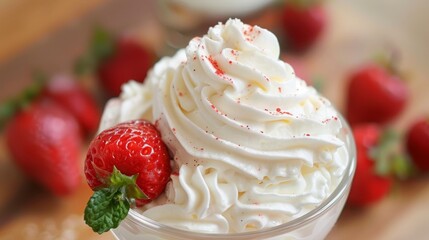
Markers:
point(106, 209)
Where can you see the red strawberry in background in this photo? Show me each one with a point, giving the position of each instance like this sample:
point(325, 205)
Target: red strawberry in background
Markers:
point(44, 140)
point(73, 97)
point(374, 95)
point(129, 61)
point(115, 60)
point(303, 23)
point(126, 163)
point(417, 144)
point(368, 187)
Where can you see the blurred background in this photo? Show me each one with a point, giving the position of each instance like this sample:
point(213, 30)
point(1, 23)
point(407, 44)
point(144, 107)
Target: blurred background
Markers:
point(51, 40)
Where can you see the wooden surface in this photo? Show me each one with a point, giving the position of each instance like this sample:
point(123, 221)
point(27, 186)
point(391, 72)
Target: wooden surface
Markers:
point(48, 35)
point(23, 22)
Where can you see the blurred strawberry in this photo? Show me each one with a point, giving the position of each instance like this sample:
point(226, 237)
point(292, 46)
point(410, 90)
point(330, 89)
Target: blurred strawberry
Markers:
point(130, 61)
point(303, 23)
point(44, 140)
point(417, 144)
point(379, 160)
point(374, 95)
point(73, 97)
point(368, 186)
point(116, 61)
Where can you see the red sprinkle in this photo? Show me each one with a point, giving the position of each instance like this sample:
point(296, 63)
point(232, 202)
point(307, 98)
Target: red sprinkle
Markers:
point(215, 65)
point(279, 110)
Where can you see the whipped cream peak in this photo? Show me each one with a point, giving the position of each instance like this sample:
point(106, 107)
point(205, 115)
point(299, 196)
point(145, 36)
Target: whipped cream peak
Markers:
point(253, 145)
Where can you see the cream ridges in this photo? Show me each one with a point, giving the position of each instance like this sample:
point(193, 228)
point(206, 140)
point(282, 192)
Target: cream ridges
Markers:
point(253, 145)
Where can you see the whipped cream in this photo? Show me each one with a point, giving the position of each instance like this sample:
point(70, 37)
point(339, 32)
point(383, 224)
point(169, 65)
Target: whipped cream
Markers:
point(253, 145)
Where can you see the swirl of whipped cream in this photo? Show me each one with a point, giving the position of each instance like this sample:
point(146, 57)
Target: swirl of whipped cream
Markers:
point(253, 145)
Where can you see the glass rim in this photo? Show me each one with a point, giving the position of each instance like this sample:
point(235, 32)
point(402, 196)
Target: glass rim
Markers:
point(289, 226)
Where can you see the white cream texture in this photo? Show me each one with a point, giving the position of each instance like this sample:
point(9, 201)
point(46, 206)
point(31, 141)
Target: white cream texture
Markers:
point(253, 145)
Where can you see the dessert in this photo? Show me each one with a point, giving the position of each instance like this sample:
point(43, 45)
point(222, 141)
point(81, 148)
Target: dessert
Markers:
point(253, 146)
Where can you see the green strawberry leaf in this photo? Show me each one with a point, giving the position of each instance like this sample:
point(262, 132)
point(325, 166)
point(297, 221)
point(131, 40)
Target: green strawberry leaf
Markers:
point(389, 160)
point(22, 100)
point(102, 45)
point(7, 110)
point(85, 65)
point(304, 3)
point(106, 209)
point(117, 179)
point(382, 154)
point(402, 166)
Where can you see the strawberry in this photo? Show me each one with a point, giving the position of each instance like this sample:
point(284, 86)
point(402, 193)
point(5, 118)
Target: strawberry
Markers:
point(417, 144)
point(368, 187)
point(303, 23)
point(44, 140)
point(125, 163)
point(374, 95)
point(115, 60)
point(74, 98)
point(129, 61)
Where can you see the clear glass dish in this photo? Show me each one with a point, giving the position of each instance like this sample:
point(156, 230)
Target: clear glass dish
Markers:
point(315, 224)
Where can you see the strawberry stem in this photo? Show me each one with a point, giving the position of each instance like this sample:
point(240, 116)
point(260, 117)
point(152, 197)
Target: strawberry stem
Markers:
point(402, 166)
point(304, 3)
point(129, 185)
point(389, 60)
point(101, 46)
